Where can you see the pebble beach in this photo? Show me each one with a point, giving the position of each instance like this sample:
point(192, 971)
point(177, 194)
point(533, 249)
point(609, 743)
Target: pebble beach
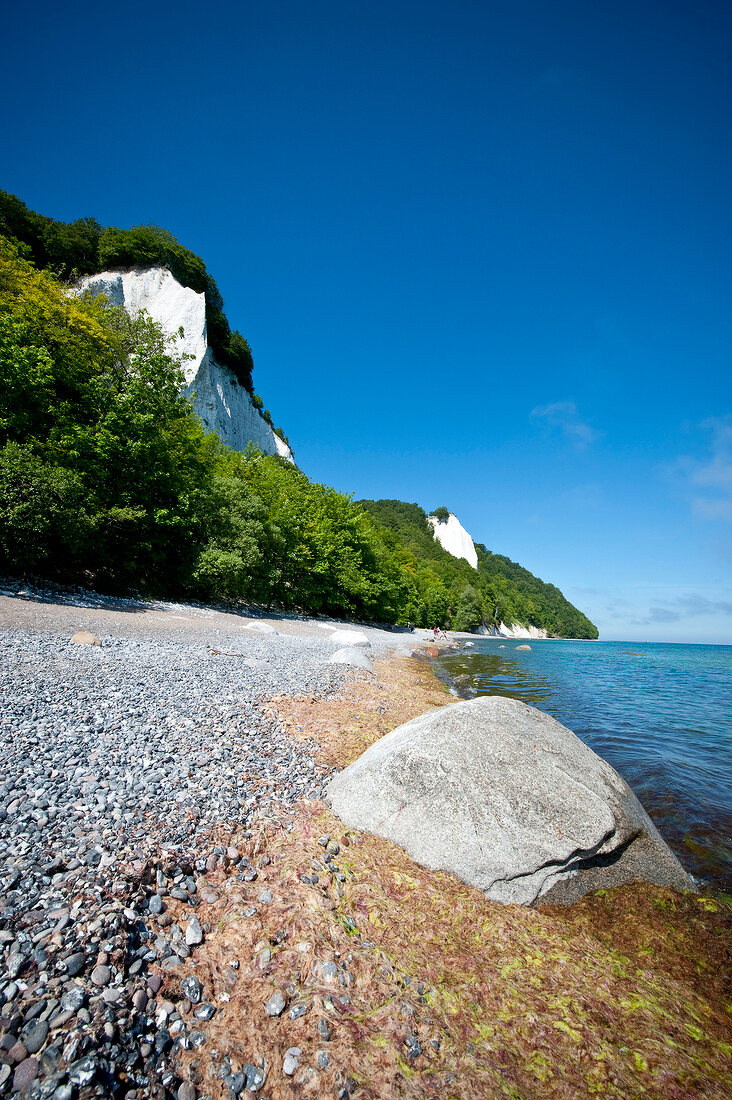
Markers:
point(120, 760)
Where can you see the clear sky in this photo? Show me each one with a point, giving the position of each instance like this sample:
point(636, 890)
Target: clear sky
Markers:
point(481, 251)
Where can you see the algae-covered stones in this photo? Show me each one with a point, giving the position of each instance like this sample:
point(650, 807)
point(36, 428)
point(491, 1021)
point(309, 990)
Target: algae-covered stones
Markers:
point(508, 799)
point(350, 638)
point(84, 637)
point(356, 658)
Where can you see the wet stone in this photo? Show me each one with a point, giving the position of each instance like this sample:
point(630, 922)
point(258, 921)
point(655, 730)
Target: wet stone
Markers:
point(414, 1048)
point(254, 1077)
point(204, 1011)
point(192, 990)
point(235, 1083)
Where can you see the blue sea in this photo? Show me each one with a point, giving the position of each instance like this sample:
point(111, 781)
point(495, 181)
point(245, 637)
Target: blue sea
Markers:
point(661, 714)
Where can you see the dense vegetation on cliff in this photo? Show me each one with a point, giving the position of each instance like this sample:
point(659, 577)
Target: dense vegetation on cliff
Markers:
point(84, 247)
point(500, 591)
point(108, 479)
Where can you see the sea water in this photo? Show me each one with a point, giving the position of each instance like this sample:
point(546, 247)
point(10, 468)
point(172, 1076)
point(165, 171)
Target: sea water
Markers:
point(661, 714)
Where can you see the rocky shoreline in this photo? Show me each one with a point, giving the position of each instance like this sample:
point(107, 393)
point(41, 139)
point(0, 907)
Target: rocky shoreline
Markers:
point(180, 916)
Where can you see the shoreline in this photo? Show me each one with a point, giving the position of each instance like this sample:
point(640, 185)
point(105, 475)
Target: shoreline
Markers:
point(388, 979)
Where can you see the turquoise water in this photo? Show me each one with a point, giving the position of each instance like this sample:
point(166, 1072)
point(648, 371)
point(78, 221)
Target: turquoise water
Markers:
point(661, 714)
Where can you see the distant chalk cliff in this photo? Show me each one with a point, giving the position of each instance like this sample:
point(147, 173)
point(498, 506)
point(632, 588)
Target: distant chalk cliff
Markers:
point(453, 537)
point(221, 402)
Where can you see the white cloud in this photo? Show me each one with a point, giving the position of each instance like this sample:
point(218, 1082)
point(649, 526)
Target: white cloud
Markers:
point(689, 606)
point(563, 416)
point(713, 474)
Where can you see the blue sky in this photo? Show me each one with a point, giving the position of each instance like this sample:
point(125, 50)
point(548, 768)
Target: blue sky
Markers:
point(481, 252)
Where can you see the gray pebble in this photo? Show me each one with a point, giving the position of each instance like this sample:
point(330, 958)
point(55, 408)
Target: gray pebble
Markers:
point(192, 990)
point(254, 1077)
point(75, 964)
point(101, 975)
point(35, 1036)
point(276, 1004)
point(235, 1082)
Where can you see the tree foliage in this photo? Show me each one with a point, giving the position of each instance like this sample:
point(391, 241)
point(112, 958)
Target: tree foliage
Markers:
point(500, 591)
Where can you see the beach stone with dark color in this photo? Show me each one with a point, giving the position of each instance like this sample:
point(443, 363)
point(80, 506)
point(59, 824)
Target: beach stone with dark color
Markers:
point(507, 799)
point(35, 1036)
point(25, 1074)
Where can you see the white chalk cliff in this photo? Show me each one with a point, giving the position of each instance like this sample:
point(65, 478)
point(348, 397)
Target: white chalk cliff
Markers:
point(453, 537)
point(220, 401)
point(514, 630)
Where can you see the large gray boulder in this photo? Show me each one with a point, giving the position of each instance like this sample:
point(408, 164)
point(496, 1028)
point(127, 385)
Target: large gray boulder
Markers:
point(506, 798)
point(351, 656)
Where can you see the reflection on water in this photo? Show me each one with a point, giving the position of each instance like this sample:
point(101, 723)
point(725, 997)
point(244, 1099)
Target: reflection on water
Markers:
point(660, 714)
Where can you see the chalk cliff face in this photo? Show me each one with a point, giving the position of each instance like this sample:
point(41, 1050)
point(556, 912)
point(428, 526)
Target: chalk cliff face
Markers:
point(220, 401)
point(514, 630)
point(453, 537)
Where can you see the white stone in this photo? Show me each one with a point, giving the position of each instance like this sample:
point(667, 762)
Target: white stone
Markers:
point(453, 537)
point(261, 628)
point(350, 638)
point(220, 401)
point(354, 657)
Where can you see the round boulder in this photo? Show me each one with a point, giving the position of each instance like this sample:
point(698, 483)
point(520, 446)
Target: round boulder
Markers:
point(507, 799)
point(356, 658)
point(261, 628)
